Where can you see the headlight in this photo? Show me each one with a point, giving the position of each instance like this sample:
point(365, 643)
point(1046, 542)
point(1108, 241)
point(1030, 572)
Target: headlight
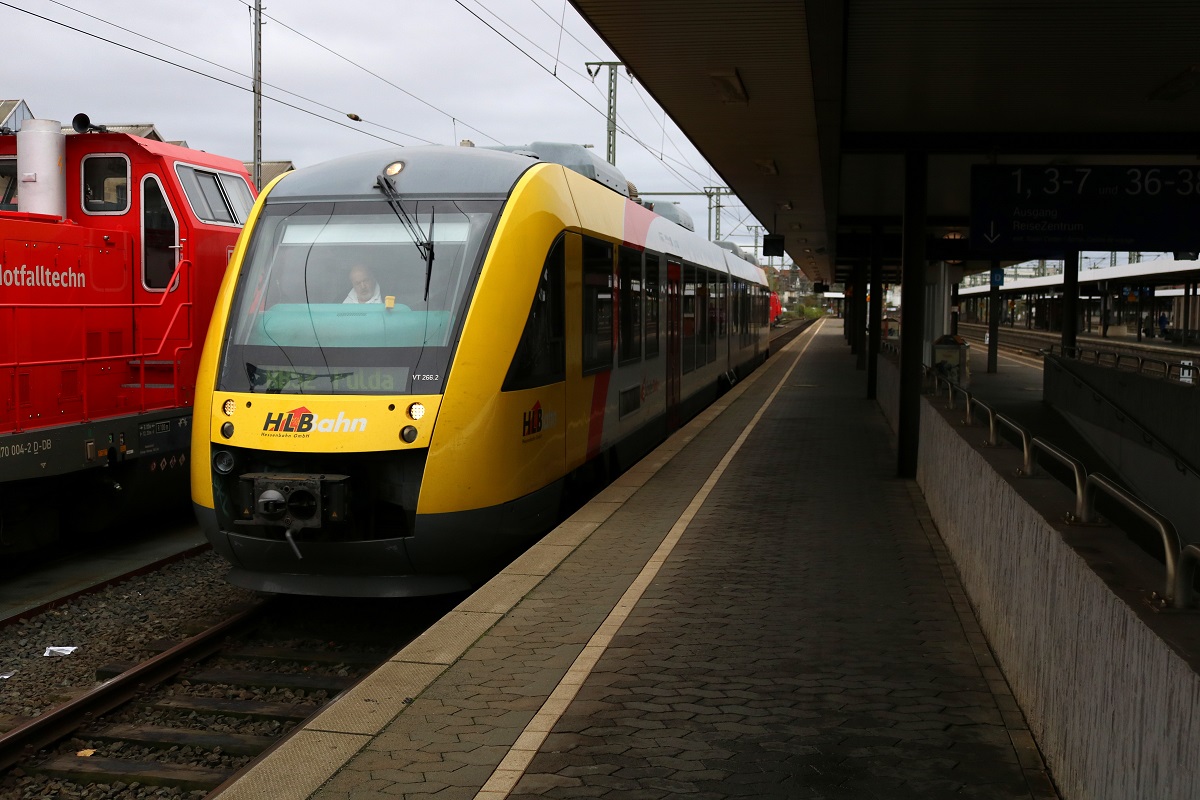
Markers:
point(416, 411)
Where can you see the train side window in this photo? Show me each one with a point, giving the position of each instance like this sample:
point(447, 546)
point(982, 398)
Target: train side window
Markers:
point(597, 305)
point(160, 236)
point(629, 304)
point(722, 299)
point(8, 184)
point(689, 318)
point(104, 185)
point(540, 359)
point(652, 305)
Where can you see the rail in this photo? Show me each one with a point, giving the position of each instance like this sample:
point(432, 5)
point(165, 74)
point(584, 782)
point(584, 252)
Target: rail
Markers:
point(61, 721)
point(1181, 562)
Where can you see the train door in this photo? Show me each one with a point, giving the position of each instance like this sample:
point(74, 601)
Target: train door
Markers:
point(674, 341)
point(162, 324)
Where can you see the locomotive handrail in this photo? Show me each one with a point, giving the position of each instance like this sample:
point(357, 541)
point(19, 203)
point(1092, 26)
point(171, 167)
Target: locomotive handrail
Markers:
point(182, 302)
point(162, 301)
point(1172, 547)
point(144, 356)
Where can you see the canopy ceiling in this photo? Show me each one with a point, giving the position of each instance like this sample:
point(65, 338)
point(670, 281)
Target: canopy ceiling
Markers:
point(806, 109)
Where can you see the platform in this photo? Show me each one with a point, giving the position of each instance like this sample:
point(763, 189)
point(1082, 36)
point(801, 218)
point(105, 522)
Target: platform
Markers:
point(759, 608)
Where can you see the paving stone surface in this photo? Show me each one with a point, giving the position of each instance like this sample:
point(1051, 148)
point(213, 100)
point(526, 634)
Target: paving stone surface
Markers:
point(807, 637)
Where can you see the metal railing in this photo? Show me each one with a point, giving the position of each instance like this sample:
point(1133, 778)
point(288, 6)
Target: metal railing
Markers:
point(1172, 371)
point(1172, 547)
point(1181, 561)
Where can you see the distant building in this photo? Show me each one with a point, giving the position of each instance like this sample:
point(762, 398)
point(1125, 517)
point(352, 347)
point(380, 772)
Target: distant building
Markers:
point(145, 130)
point(270, 170)
point(13, 113)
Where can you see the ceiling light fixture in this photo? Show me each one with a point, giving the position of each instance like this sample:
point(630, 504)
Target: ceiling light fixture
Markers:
point(729, 86)
point(767, 166)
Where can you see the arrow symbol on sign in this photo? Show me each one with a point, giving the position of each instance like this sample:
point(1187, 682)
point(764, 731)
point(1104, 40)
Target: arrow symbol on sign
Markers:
point(991, 235)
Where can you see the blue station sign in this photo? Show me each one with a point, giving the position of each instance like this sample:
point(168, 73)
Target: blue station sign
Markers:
point(1044, 211)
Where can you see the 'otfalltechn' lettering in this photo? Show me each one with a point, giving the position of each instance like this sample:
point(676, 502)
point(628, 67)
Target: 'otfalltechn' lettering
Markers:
point(40, 276)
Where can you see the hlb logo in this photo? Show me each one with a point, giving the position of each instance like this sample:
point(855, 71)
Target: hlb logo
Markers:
point(302, 421)
point(299, 420)
point(533, 420)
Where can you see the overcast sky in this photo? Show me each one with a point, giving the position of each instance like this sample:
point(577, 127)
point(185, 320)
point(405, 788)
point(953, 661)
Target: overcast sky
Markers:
point(471, 82)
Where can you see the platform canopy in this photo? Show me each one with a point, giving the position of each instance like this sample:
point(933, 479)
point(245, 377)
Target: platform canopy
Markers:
point(806, 109)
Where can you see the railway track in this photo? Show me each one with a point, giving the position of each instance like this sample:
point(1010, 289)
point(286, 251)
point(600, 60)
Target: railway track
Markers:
point(199, 710)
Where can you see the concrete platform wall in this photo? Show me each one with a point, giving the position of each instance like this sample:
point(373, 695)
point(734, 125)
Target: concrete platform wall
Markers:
point(1114, 706)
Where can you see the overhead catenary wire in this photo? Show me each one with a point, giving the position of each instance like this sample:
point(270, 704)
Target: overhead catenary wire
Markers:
point(275, 98)
point(562, 29)
point(454, 118)
point(202, 74)
point(573, 91)
point(624, 127)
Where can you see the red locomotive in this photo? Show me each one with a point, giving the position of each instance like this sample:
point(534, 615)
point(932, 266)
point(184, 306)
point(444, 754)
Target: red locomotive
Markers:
point(112, 248)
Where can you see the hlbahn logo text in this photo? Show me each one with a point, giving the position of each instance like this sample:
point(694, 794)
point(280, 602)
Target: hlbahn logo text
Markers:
point(303, 421)
point(532, 421)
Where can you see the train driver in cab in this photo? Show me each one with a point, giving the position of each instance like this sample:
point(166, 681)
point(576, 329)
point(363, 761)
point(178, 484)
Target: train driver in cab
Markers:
point(363, 287)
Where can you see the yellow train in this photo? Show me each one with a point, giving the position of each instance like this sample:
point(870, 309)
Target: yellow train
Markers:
point(416, 354)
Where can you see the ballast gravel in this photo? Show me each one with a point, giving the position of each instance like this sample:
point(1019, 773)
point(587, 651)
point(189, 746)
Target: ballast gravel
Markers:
point(117, 624)
point(122, 623)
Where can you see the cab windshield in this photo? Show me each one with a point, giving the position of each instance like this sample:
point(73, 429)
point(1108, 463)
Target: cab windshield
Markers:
point(338, 298)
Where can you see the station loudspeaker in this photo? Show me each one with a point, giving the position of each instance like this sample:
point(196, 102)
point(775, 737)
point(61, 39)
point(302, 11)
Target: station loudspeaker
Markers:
point(1186, 256)
point(773, 244)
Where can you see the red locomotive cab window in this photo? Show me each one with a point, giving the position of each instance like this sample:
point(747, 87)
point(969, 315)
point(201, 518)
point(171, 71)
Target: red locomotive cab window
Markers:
point(8, 184)
point(105, 184)
point(160, 237)
point(217, 197)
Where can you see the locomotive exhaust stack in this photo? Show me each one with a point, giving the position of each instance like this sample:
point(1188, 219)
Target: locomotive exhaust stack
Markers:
point(41, 167)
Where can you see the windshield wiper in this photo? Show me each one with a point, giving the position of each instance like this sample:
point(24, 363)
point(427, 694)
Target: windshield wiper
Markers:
point(429, 260)
point(424, 243)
